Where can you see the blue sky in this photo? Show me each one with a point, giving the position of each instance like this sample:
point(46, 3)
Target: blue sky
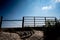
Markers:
point(16, 9)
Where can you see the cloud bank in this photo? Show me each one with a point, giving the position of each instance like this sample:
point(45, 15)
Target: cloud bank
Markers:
point(56, 0)
point(47, 7)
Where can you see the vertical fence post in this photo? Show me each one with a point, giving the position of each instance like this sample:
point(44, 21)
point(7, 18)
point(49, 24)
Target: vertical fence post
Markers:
point(23, 22)
point(34, 21)
point(55, 21)
point(45, 21)
point(0, 22)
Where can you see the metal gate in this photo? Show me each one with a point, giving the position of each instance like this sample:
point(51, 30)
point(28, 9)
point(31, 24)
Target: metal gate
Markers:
point(31, 21)
point(10, 23)
point(37, 21)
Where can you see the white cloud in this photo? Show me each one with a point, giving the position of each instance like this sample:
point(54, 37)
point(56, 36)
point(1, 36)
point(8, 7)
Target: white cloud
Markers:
point(57, 0)
point(47, 7)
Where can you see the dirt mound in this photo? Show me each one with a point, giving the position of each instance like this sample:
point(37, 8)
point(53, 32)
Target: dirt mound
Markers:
point(9, 36)
point(26, 35)
point(38, 35)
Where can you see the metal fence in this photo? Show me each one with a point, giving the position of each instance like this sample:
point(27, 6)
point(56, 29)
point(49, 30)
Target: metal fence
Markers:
point(37, 21)
point(10, 23)
point(28, 21)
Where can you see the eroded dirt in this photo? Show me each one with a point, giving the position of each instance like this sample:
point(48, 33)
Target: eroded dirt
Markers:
point(22, 35)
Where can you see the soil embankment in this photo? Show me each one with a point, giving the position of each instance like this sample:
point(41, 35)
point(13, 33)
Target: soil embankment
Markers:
point(36, 35)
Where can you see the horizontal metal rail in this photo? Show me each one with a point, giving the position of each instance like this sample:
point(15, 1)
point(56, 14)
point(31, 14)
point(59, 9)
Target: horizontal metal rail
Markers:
point(39, 17)
point(11, 20)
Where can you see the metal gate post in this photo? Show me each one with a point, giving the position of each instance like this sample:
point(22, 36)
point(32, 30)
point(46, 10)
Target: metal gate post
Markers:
point(55, 21)
point(45, 21)
point(23, 22)
point(1, 22)
point(34, 21)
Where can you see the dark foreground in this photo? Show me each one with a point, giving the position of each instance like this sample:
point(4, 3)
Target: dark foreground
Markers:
point(22, 35)
point(30, 34)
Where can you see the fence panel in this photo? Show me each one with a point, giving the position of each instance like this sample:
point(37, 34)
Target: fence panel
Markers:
point(11, 24)
point(30, 21)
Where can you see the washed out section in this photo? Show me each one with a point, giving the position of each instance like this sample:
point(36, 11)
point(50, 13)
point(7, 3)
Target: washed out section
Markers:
point(11, 24)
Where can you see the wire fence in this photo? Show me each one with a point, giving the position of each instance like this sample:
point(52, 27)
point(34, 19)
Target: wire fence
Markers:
point(27, 21)
point(30, 21)
point(10, 23)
